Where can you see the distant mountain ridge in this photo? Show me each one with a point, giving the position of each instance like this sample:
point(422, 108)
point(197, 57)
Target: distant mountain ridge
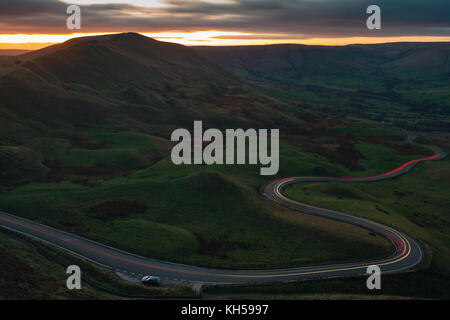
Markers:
point(402, 60)
point(12, 52)
point(406, 84)
point(129, 80)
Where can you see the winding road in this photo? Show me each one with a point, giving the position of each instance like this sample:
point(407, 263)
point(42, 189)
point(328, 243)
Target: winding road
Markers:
point(406, 255)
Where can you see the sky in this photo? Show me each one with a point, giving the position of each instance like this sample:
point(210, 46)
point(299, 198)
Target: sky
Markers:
point(32, 24)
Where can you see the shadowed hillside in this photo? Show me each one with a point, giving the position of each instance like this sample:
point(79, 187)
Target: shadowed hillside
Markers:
point(84, 146)
point(126, 80)
point(407, 84)
point(12, 52)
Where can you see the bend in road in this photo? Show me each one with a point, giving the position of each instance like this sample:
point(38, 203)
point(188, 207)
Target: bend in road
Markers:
point(406, 255)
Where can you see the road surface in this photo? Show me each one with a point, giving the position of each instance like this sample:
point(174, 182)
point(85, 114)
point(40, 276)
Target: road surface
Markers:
point(406, 254)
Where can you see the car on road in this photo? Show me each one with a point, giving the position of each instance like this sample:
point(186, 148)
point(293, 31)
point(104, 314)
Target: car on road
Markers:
point(151, 280)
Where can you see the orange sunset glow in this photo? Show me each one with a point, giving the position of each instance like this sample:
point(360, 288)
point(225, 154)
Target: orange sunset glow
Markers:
point(236, 157)
point(212, 38)
point(220, 22)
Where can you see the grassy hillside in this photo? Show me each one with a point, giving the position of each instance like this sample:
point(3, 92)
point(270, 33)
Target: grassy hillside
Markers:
point(206, 215)
point(416, 203)
point(402, 83)
point(12, 52)
point(127, 81)
point(32, 270)
point(84, 146)
point(93, 119)
point(197, 214)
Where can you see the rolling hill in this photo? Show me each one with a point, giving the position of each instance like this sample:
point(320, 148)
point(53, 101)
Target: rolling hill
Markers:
point(12, 52)
point(126, 80)
point(84, 128)
point(407, 84)
point(302, 64)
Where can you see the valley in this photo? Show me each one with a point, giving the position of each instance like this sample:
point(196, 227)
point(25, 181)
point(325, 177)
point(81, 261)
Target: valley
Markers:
point(85, 147)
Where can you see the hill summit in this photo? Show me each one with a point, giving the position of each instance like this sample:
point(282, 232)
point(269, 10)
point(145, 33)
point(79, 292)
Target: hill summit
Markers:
point(126, 80)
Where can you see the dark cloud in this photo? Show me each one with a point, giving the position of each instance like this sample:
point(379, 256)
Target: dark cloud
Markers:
point(300, 18)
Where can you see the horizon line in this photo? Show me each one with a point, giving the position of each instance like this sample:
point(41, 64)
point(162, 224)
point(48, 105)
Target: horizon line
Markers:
point(32, 42)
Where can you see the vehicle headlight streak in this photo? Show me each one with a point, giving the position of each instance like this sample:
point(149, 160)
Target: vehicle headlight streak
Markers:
point(406, 255)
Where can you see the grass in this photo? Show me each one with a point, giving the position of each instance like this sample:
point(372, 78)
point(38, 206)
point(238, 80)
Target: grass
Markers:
point(365, 128)
point(416, 203)
point(421, 284)
point(419, 107)
point(31, 269)
point(405, 89)
point(203, 215)
point(77, 134)
point(20, 165)
point(128, 150)
point(380, 159)
point(177, 210)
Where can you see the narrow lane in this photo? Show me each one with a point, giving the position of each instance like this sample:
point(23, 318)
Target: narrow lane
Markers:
point(406, 255)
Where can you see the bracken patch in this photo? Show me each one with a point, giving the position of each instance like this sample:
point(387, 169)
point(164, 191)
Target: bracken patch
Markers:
point(110, 209)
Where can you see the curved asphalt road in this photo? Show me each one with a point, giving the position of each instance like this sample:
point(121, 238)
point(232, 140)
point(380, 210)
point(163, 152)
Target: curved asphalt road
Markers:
point(406, 255)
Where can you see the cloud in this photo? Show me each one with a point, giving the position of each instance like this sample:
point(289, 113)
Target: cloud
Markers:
point(308, 18)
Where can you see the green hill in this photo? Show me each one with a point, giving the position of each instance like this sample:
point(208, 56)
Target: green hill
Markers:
point(127, 80)
point(407, 84)
point(84, 147)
